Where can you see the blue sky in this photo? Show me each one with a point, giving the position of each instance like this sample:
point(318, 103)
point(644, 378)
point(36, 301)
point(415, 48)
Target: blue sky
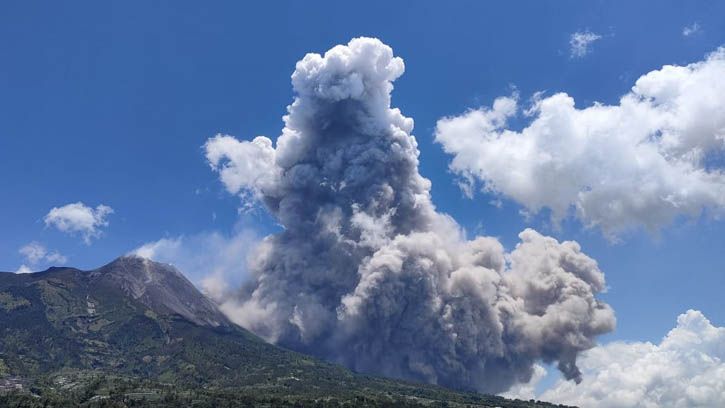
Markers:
point(111, 104)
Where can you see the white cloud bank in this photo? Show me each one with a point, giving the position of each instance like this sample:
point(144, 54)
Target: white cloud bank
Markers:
point(580, 43)
point(36, 254)
point(24, 269)
point(686, 369)
point(653, 157)
point(213, 261)
point(77, 218)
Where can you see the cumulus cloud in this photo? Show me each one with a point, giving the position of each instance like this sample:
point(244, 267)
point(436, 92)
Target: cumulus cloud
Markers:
point(244, 168)
point(24, 269)
point(367, 273)
point(580, 43)
point(77, 218)
point(686, 369)
point(691, 30)
point(213, 261)
point(643, 162)
point(35, 254)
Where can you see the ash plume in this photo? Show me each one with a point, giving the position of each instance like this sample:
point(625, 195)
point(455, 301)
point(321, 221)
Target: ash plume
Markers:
point(367, 273)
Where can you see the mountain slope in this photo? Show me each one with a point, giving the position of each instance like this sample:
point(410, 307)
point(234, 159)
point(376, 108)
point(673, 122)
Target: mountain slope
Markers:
point(161, 288)
point(138, 322)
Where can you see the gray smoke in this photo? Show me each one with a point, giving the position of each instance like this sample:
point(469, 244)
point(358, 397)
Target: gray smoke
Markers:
point(367, 273)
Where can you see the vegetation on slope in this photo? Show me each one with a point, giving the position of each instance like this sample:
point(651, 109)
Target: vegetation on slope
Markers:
point(73, 338)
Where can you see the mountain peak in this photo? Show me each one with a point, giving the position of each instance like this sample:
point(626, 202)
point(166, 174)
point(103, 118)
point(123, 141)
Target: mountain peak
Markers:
point(139, 264)
point(135, 326)
point(161, 287)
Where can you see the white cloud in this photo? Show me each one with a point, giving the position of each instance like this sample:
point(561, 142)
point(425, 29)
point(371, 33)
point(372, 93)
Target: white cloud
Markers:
point(24, 269)
point(244, 167)
point(642, 162)
point(56, 257)
point(213, 261)
point(77, 218)
point(686, 369)
point(152, 250)
point(580, 43)
point(691, 29)
point(33, 252)
point(36, 254)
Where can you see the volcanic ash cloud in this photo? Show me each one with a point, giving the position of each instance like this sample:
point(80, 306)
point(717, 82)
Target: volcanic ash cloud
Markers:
point(367, 273)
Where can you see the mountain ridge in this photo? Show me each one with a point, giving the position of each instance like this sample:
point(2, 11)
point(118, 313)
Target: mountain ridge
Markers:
point(162, 283)
point(137, 321)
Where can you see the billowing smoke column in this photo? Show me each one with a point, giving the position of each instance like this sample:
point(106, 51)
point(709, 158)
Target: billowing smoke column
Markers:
point(367, 273)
